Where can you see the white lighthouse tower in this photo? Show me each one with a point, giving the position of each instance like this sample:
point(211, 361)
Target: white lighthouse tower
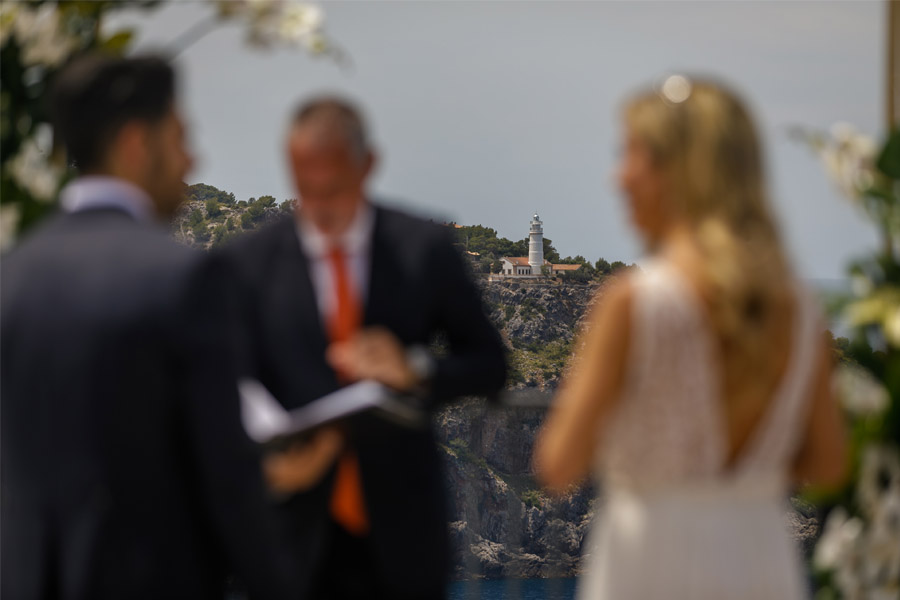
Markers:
point(536, 245)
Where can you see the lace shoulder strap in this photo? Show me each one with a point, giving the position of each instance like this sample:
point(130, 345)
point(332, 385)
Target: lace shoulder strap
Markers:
point(665, 324)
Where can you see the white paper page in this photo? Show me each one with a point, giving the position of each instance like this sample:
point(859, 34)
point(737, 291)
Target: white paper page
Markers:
point(263, 417)
point(346, 401)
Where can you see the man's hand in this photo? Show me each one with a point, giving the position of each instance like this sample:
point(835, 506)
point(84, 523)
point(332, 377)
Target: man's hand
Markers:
point(303, 464)
point(374, 353)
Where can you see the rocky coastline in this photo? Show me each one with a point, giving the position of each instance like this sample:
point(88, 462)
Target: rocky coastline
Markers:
point(502, 524)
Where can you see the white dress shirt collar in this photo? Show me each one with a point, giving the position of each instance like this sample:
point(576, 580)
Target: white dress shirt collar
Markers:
point(103, 191)
point(354, 241)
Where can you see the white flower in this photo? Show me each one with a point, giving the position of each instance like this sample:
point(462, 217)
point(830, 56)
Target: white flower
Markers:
point(881, 549)
point(838, 541)
point(9, 223)
point(299, 21)
point(271, 21)
point(859, 391)
point(849, 158)
point(41, 35)
point(879, 477)
point(31, 171)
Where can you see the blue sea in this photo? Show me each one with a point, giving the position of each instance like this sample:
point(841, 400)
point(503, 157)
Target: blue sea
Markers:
point(514, 589)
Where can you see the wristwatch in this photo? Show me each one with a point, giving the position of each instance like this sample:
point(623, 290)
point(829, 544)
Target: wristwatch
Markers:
point(422, 364)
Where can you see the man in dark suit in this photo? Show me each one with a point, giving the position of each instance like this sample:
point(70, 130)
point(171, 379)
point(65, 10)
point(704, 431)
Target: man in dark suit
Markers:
point(351, 290)
point(125, 470)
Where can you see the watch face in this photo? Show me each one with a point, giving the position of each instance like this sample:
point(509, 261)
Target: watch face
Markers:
point(421, 362)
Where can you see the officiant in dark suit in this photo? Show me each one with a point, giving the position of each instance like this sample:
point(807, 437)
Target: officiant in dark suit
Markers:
point(125, 469)
point(350, 290)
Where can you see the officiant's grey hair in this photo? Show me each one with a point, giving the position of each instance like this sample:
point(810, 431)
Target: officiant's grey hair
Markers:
point(336, 116)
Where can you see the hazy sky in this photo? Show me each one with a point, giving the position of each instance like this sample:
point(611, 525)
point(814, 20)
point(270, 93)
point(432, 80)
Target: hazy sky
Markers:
point(486, 111)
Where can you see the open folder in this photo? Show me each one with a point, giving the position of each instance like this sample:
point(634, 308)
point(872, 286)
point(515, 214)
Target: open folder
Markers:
point(267, 422)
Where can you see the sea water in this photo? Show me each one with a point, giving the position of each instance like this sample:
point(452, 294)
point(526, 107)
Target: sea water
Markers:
point(514, 589)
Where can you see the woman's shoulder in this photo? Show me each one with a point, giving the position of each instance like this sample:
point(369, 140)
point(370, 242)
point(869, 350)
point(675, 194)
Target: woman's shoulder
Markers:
point(660, 281)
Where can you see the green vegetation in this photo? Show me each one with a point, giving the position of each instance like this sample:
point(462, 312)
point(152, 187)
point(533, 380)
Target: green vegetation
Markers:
point(211, 216)
point(484, 241)
point(213, 209)
point(200, 192)
point(200, 231)
point(463, 452)
point(537, 363)
point(532, 499)
point(484, 249)
point(528, 309)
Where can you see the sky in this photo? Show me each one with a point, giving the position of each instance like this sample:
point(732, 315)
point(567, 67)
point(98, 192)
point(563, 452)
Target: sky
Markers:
point(484, 112)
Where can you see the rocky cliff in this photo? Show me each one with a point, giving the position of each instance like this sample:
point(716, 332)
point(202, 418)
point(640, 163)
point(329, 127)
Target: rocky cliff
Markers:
point(502, 524)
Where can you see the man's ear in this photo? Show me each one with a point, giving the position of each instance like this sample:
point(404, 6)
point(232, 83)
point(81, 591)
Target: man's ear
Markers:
point(371, 163)
point(129, 150)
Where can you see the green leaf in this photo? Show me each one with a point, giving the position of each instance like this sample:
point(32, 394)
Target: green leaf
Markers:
point(119, 42)
point(889, 159)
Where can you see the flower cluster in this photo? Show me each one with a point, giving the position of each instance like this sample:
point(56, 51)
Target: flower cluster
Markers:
point(861, 393)
point(33, 171)
point(38, 36)
point(880, 307)
point(849, 156)
point(35, 39)
point(39, 31)
point(858, 554)
point(856, 164)
point(863, 552)
point(271, 22)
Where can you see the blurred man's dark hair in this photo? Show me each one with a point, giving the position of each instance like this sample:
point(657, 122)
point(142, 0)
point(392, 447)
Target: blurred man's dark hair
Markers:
point(95, 95)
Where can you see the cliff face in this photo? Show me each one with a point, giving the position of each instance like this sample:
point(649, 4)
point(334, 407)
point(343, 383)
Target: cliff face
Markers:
point(539, 323)
point(529, 313)
point(502, 525)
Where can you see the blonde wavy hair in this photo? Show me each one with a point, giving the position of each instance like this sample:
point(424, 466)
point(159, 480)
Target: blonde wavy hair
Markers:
point(707, 147)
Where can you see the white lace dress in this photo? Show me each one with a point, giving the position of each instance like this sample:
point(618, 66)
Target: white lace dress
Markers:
point(677, 522)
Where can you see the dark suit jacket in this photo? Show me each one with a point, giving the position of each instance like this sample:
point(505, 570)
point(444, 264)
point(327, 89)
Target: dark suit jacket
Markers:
point(418, 288)
point(125, 470)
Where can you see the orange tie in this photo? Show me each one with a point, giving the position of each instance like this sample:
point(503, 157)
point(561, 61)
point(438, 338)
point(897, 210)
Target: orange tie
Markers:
point(347, 505)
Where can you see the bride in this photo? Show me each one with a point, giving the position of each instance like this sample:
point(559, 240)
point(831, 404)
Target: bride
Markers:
point(700, 393)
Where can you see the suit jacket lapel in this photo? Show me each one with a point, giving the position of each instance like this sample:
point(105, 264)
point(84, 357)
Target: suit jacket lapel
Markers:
point(384, 282)
point(301, 316)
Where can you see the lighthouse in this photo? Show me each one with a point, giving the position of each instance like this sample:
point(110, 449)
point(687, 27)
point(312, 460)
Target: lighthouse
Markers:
point(536, 245)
